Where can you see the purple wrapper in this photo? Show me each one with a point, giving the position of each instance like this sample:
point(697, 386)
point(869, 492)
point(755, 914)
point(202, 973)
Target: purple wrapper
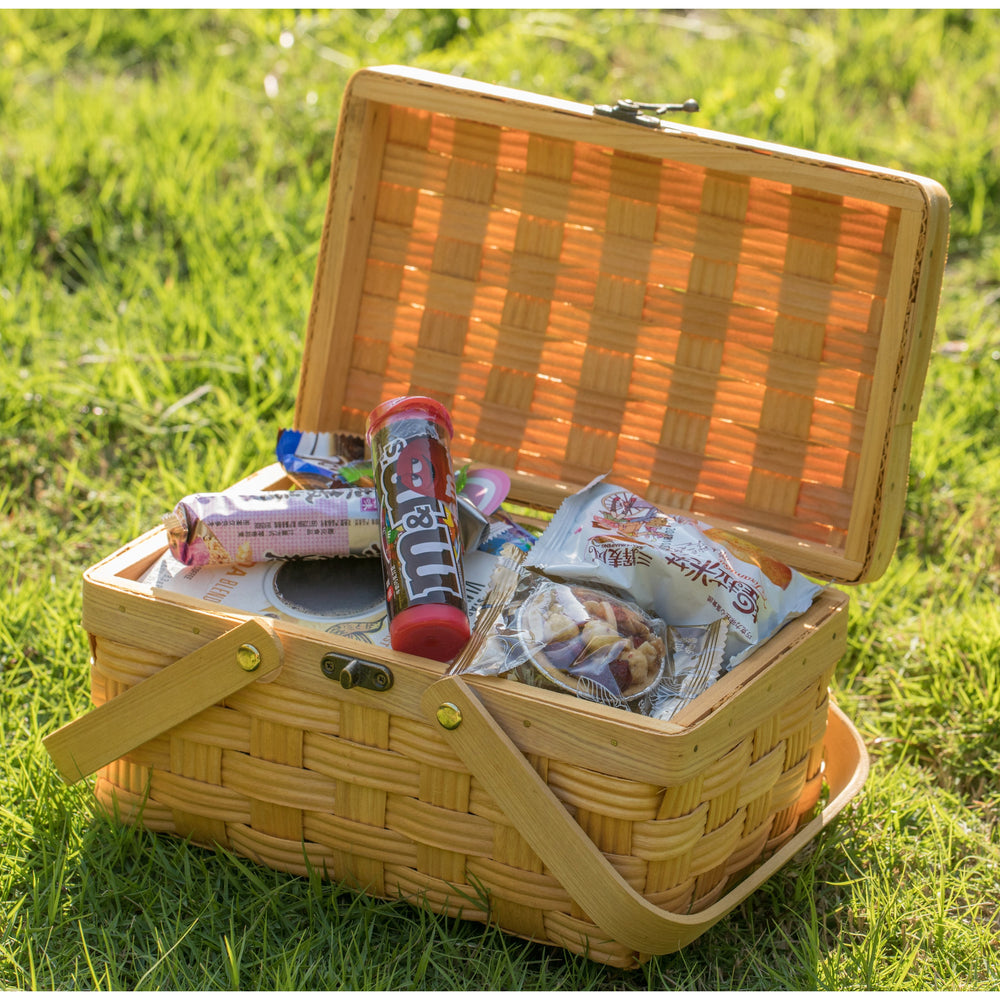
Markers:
point(216, 528)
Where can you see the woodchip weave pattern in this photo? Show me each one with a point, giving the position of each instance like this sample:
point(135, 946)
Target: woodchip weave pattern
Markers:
point(378, 801)
point(708, 337)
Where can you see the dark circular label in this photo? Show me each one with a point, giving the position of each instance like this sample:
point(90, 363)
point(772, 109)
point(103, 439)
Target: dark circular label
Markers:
point(330, 588)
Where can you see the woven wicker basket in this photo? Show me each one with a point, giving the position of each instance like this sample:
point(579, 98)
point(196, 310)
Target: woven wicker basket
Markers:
point(729, 328)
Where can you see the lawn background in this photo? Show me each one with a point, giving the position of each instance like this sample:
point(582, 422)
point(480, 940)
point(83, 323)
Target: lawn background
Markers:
point(163, 177)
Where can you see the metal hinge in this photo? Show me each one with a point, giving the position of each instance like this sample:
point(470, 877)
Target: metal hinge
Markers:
point(629, 111)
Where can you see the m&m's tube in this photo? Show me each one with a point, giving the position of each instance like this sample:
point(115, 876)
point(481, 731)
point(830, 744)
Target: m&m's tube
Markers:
point(410, 441)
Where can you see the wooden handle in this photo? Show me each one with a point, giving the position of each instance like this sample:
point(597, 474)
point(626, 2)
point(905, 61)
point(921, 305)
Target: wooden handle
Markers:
point(249, 652)
point(573, 858)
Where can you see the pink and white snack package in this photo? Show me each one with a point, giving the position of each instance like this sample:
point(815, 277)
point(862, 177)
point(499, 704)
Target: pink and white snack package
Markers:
point(220, 528)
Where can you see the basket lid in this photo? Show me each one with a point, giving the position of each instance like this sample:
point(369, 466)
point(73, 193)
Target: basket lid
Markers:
point(731, 328)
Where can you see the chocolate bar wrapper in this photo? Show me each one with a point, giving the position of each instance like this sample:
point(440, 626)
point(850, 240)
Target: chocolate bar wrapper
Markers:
point(321, 460)
point(218, 528)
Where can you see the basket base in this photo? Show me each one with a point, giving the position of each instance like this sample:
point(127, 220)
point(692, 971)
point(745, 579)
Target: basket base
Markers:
point(378, 802)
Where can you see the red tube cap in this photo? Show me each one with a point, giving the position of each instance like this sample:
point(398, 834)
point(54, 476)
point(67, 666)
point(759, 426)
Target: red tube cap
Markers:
point(409, 406)
point(437, 631)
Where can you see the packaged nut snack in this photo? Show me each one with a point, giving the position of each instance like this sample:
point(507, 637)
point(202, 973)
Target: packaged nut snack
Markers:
point(581, 640)
point(588, 642)
point(684, 571)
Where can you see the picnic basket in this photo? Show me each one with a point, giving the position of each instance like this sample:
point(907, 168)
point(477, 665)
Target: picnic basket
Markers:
point(731, 329)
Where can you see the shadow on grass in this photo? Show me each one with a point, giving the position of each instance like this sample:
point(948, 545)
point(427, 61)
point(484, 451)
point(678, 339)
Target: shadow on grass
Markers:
point(155, 912)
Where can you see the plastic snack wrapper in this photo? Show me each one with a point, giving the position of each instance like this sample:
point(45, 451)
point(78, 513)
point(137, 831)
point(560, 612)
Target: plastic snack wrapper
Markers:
point(217, 528)
point(486, 488)
point(682, 570)
point(581, 640)
point(503, 530)
point(694, 663)
point(321, 460)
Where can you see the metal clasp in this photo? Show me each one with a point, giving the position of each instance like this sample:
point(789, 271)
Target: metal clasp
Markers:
point(352, 672)
point(629, 111)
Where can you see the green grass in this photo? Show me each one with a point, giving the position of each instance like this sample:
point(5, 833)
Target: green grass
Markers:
point(162, 186)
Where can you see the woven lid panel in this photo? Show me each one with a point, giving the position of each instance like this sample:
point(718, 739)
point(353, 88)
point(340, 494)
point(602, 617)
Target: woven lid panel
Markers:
point(707, 337)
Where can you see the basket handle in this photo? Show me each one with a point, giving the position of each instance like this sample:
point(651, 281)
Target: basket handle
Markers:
point(573, 858)
point(246, 653)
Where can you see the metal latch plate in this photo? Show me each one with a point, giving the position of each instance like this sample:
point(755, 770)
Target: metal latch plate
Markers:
point(352, 672)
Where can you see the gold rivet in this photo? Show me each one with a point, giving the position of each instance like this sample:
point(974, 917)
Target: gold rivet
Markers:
point(248, 657)
point(449, 715)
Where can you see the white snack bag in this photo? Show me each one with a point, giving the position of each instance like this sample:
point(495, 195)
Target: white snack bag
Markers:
point(682, 570)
